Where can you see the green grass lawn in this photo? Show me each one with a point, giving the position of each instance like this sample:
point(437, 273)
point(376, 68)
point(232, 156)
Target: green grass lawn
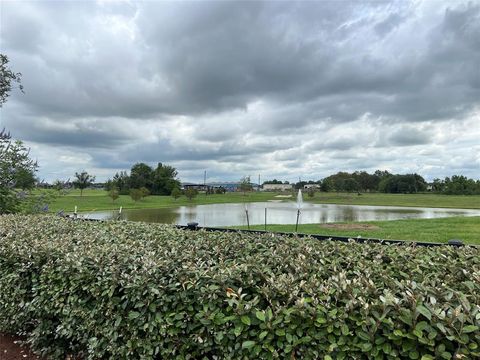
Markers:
point(433, 230)
point(423, 200)
point(99, 200)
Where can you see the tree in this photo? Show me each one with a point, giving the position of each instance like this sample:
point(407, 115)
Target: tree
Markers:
point(409, 183)
point(14, 159)
point(311, 192)
point(7, 79)
point(461, 185)
point(135, 194)
point(326, 185)
point(176, 193)
point(16, 167)
point(141, 175)
point(350, 185)
point(164, 180)
point(83, 180)
point(245, 184)
point(190, 193)
point(274, 181)
point(113, 194)
point(120, 181)
point(61, 186)
point(144, 191)
point(25, 179)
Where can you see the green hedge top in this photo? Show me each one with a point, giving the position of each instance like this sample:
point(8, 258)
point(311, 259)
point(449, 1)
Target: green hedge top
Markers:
point(133, 290)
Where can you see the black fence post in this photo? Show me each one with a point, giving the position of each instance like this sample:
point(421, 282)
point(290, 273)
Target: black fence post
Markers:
point(192, 226)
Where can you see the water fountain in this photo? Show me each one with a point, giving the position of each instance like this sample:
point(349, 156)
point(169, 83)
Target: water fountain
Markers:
point(299, 207)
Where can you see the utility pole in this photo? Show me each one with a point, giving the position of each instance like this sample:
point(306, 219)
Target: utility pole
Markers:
point(205, 182)
point(258, 188)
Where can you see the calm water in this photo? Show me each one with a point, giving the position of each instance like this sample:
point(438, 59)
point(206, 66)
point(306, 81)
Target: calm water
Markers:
point(278, 213)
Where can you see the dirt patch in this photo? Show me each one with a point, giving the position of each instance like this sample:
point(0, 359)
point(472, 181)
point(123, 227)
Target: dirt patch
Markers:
point(350, 226)
point(283, 196)
point(11, 349)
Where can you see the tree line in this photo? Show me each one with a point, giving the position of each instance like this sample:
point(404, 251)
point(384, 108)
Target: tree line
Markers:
point(456, 185)
point(159, 181)
point(384, 181)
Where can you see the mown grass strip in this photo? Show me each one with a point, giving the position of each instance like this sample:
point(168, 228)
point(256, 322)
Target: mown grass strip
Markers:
point(425, 230)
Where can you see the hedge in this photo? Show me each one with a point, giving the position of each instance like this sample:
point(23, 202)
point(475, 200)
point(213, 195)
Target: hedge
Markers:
point(123, 290)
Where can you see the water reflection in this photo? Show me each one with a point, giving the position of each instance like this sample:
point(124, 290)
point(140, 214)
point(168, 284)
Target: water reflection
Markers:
point(279, 213)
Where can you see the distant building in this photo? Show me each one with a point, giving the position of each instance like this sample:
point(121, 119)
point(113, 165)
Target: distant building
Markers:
point(310, 186)
point(277, 187)
point(187, 185)
point(228, 186)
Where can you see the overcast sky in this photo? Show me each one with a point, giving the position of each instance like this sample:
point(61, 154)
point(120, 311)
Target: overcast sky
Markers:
point(281, 89)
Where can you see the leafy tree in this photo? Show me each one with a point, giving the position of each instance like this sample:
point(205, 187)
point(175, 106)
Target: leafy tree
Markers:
point(82, 181)
point(190, 193)
point(326, 185)
point(438, 185)
point(14, 160)
point(274, 181)
point(160, 181)
point(7, 79)
point(164, 180)
point(120, 181)
point(114, 194)
point(145, 192)
point(311, 192)
point(356, 181)
point(16, 167)
point(38, 203)
point(461, 185)
point(61, 186)
point(245, 184)
point(25, 179)
point(409, 183)
point(135, 194)
point(141, 175)
point(350, 185)
point(176, 193)
point(58, 184)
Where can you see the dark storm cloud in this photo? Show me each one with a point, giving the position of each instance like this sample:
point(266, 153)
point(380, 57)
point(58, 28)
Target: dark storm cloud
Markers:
point(410, 136)
point(222, 55)
point(81, 133)
point(220, 81)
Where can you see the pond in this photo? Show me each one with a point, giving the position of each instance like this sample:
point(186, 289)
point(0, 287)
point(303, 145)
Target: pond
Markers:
point(278, 213)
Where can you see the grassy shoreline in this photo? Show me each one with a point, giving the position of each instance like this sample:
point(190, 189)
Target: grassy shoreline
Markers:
point(408, 200)
point(432, 230)
point(99, 200)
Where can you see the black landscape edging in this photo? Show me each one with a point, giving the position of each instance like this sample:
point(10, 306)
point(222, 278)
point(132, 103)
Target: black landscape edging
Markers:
point(194, 226)
point(360, 240)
